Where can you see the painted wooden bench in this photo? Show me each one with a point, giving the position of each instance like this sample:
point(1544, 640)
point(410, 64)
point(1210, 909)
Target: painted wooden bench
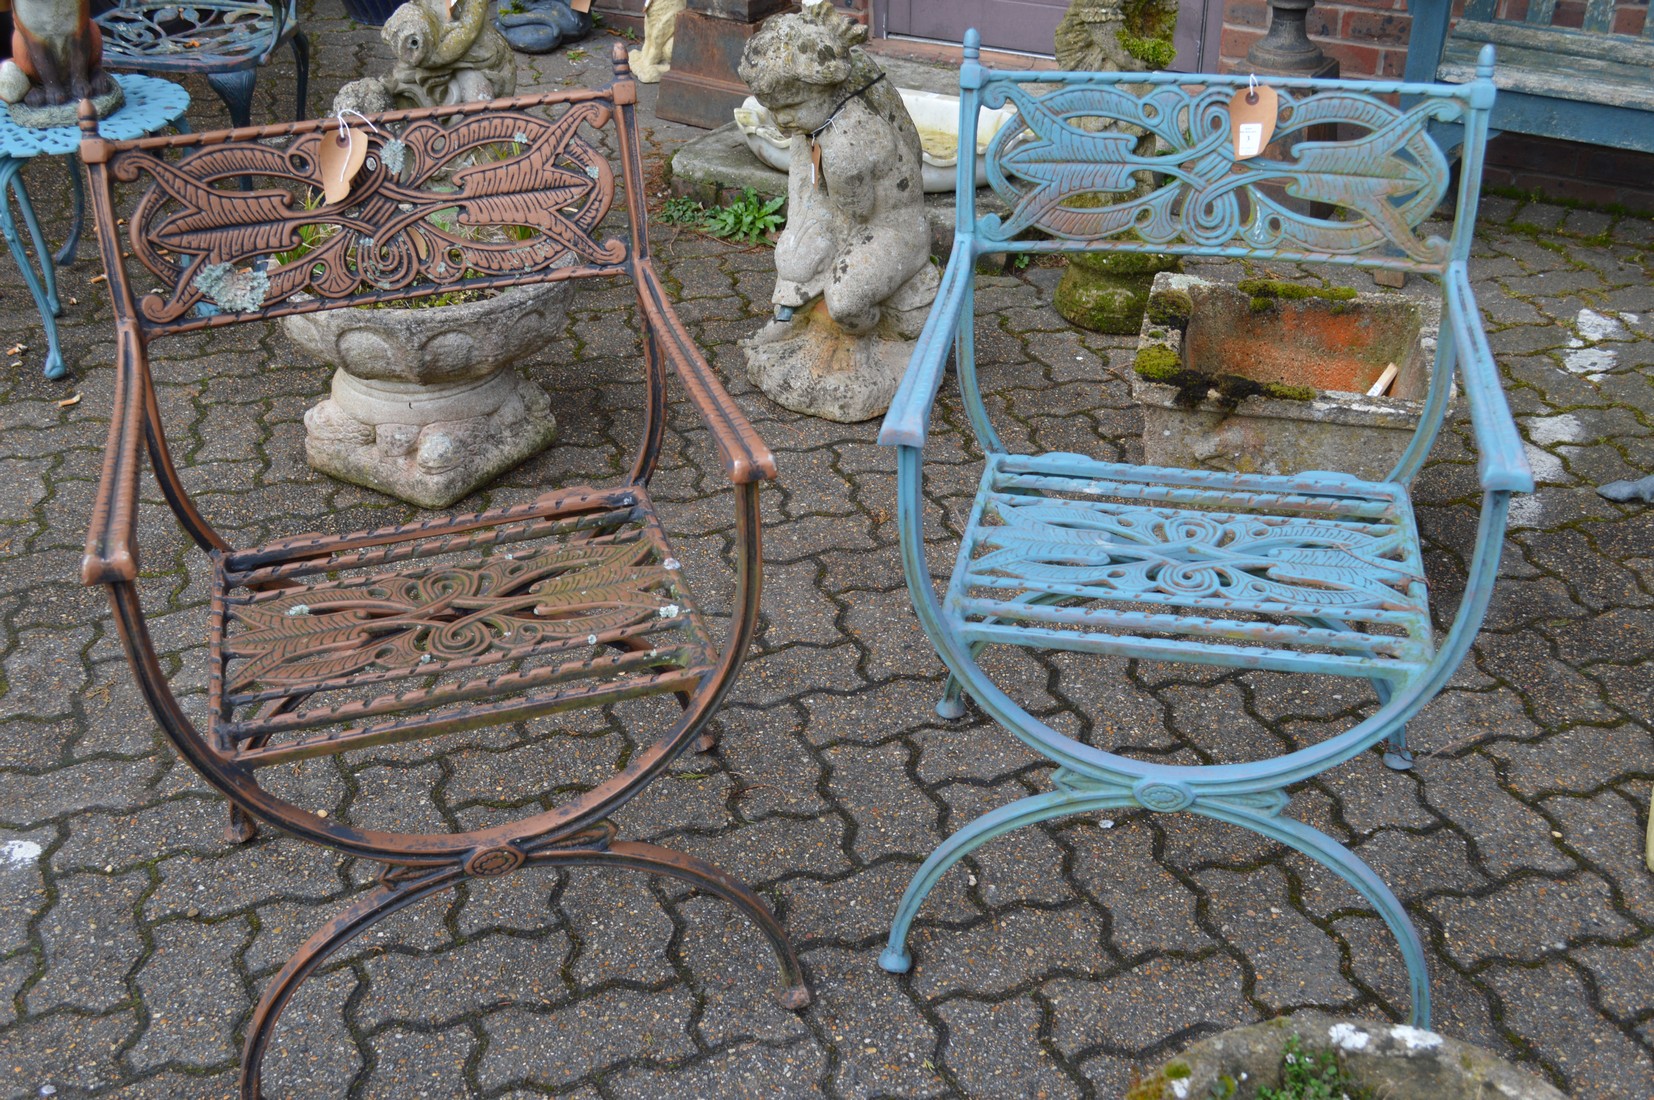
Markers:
point(1592, 83)
point(1318, 573)
point(322, 646)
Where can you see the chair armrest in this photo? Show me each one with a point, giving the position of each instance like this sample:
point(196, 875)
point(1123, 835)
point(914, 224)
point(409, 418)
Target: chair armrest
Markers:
point(908, 421)
point(1501, 463)
point(1429, 32)
point(111, 542)
point(745, 456)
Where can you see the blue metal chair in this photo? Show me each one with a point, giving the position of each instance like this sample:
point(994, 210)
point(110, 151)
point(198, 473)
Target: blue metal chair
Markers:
point(225, 41)
point(1309, 573)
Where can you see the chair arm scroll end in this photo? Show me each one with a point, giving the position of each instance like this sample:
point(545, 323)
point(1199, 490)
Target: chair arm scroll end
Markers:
point(99, 566)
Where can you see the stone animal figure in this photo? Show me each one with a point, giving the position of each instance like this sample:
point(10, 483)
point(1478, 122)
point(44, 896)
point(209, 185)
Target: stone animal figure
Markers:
point(60, 50)
point(660, 21)
point(443, 60)
point(856, 231)
point(1088, 38)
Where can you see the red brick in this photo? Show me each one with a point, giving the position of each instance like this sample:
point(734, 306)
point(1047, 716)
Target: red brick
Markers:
point(1321, 21)
point(1381, 28)
point(1246, 13)
point(1236, 41)
point(1354, 62)
point(1394, 65)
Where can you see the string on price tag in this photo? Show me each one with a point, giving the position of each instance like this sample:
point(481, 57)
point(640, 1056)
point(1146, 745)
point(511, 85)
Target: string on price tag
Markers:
point(1252, 118)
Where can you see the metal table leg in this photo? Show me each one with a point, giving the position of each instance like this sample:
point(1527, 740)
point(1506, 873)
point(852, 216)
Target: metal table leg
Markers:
point(43, 288)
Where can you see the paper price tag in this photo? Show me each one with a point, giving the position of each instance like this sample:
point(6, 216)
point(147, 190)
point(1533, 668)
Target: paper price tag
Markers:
point(581, 6)
point(815, 162)
point(340, 156)
point(448, 8)
point(1252, 119)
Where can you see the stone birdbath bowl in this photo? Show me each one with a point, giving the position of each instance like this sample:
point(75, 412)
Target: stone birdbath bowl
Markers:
point(1274, 378)
point(1384, 1061)
point(935, 116)
point(425, 405)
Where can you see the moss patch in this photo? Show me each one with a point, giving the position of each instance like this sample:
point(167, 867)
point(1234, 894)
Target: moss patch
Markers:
point(1171, 308)
point(1160, 364)
point(1266, 292)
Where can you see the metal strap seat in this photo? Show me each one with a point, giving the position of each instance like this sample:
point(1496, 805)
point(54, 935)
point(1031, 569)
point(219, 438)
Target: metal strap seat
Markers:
point(1312, 573)
point(323, 645)
point(1307, 573)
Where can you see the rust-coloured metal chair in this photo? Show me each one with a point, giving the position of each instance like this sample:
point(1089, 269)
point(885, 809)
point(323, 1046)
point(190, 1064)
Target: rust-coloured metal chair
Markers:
point(330, 644)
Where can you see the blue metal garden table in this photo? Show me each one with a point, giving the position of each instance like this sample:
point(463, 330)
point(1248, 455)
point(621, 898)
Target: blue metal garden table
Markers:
point(151, 105)
point(1318, 573)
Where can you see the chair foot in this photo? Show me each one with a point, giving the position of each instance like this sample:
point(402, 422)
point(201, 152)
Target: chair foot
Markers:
point(706, 742)
point(896, 960)
point(795, 998)
point(952, 703)
point(241, 828)
point(1398, 760)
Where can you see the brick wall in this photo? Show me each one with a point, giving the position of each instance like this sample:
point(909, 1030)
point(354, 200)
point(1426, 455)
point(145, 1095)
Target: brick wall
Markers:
point(1369, 39)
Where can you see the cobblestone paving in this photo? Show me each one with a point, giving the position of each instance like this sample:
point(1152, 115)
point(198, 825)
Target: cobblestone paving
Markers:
point(133, 939)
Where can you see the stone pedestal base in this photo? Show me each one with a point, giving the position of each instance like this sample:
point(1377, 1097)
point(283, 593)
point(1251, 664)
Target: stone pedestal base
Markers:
point(1108, 291)
point(701, 87)
point(811, 365)
point(428, 444)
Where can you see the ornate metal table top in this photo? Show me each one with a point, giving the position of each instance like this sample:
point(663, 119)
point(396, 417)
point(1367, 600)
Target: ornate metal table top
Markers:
point(151, 104)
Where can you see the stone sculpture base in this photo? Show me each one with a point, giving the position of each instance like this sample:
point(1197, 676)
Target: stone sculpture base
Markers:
point(1107, 292)
point(65, 114)
point(427, 444)
point(811, 365)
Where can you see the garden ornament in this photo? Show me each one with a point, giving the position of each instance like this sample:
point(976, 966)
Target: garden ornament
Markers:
point(660, 20)
point(442, 58)
point(57, 52)
point(854, 281)
point(540, 26)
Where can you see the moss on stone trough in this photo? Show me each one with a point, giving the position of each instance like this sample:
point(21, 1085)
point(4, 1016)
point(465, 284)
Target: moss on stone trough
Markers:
point(1266, 292)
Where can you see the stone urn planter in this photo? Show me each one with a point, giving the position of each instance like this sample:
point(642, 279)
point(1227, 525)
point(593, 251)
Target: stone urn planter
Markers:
point(1273, 378)
point(1380, 1060)
point(424, 404)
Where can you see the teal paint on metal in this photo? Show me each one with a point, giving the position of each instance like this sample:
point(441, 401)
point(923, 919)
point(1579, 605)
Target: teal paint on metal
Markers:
point(150, 105)
point(1318, 573)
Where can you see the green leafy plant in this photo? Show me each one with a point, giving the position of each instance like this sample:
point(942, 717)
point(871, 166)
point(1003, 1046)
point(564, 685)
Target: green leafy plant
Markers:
point(577, 54)
point(749, 219)
point(682, 211)
point(1313, 1077)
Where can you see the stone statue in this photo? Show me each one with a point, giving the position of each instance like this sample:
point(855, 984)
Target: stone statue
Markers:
point(441, 59)
point(56, 60)
point(853, 277)
point(1088, 38)
point(660, 19)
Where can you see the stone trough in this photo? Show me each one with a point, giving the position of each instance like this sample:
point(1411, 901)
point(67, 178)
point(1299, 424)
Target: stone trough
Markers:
point(1273, 378)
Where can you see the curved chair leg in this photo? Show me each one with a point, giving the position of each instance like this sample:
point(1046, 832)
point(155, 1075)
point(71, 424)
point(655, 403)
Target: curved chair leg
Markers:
point(44, 288)
point(1397, 757)
point(77, 186)
point(236, 90)
point(1344, 863)
point(655, 860)
point(370, 908)
point(1024, 811)
point(301, 70)
point(1294, 834)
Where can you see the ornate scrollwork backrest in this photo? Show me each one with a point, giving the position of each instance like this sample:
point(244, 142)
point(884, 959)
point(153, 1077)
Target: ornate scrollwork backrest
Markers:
point(447, 199)
point(1179, 188)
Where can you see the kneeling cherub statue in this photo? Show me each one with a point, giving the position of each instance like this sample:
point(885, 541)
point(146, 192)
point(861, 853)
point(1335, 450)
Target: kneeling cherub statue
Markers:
point(853, 277)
